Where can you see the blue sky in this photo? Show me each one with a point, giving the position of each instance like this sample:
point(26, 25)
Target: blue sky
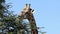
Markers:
point(47, 13)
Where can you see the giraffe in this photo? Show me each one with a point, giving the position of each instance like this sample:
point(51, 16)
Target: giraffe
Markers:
point(26, 13)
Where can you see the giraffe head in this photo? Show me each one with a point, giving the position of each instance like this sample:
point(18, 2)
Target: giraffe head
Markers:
point(26, 10)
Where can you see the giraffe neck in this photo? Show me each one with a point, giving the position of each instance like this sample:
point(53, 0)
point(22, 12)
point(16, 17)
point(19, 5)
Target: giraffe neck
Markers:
point(30, 17)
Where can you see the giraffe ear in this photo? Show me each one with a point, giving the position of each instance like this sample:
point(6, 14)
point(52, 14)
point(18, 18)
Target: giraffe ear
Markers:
point(32, 11)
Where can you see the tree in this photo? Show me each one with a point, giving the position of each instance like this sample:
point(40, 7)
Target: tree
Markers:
point(6, 17)
point(9, 23)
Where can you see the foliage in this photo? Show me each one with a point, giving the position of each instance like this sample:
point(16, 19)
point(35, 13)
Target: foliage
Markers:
point(8, 21)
